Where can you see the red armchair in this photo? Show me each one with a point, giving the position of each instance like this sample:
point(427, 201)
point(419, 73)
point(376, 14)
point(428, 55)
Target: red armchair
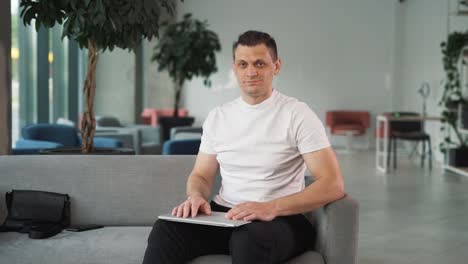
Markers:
point(348, 123)
point(150, 116)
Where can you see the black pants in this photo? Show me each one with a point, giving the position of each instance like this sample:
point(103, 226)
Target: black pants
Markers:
point(257, 242)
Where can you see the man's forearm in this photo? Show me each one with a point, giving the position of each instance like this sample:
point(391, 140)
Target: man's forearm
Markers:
point(314, 196)
point(198, 186)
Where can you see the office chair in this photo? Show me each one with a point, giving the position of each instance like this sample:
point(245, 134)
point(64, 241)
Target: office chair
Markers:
point(411, 131)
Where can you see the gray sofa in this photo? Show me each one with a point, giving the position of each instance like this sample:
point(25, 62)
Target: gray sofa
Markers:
point(126, 194)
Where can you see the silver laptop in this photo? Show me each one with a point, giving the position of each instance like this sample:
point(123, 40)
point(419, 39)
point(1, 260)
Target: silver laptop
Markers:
point(215, 219)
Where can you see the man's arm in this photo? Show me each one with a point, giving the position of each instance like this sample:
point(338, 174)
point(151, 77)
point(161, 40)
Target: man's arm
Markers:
point(199, 185)
point(327, 187)
point(201, 178)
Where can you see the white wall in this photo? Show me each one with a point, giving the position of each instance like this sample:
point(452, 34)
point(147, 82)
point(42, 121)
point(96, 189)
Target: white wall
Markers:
point(115, 93)
point(115, 85)
point(423, 30)
point(337, 54)
point(425, 25)
point(159, 88)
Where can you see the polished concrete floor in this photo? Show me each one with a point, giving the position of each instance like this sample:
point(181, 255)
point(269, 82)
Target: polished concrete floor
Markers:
point(410, 215)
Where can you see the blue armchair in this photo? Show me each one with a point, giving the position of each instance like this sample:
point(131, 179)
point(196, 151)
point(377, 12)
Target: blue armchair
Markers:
point(181, 147)
point(37, 137)
point(31, 147)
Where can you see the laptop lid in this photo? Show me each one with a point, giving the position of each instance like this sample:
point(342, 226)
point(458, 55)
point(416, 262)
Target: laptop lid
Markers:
point(215, 219)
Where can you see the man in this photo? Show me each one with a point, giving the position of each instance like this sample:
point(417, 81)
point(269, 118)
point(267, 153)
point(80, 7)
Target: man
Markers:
point(262, 143)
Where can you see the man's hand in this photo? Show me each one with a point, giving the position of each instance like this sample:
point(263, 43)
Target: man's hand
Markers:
point(250, 211)
point(191, 207)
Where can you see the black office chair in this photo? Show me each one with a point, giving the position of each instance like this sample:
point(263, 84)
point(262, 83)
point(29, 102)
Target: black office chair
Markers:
point(408, 130)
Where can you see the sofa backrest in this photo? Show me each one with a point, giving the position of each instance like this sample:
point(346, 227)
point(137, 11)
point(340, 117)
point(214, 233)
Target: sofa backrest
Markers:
point(108, 190)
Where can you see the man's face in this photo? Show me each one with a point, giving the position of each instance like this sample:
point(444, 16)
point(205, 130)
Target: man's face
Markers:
point(254, 68)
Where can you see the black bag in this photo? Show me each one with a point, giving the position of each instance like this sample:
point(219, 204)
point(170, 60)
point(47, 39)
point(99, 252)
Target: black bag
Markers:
point(41, 214)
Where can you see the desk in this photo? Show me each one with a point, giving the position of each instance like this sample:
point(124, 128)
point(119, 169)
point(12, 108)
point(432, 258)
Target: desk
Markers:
point(381, 144)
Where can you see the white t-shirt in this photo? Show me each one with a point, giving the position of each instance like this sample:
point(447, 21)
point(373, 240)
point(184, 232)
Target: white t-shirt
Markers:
point(259, 147)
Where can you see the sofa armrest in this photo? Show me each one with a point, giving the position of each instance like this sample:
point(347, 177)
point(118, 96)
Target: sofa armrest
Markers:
point(337, 226)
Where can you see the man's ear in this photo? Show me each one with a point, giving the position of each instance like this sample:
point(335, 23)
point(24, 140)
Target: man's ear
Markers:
point(277, 66)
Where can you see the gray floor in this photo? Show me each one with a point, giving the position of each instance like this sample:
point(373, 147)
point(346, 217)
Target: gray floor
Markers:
point(410, 215)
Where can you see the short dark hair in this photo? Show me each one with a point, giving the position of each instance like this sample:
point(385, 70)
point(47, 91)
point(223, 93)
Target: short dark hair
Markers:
point(252, 38)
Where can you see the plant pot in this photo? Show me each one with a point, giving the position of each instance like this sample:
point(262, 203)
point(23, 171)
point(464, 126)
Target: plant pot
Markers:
point(458, 157)
point(97, 151)
point(167, 123)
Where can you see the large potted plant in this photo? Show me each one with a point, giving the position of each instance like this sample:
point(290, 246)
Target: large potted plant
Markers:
point(97, 25)
point(186, 49)
point(453, 102)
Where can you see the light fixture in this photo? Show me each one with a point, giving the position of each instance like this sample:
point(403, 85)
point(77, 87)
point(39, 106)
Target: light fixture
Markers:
point(424, 91)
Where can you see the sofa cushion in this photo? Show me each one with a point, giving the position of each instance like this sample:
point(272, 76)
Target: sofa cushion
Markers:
point(123, 245)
